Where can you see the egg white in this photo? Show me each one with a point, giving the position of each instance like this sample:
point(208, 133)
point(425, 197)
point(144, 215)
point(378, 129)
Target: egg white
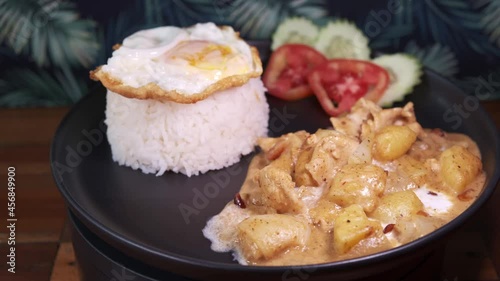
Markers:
point(141, 58)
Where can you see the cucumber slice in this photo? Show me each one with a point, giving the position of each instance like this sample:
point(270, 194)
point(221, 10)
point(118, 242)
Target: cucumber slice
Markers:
point(295, 30)
point(342, 39)
point(404, 71)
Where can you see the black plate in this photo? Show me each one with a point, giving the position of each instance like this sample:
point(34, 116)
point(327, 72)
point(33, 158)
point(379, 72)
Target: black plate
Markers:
point(141, 216)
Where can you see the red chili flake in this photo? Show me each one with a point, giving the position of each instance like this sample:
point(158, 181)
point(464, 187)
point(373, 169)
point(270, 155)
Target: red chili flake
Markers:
point(238, 201)
point(432, 193)
point(422, 213)
point(439, 132)
point(466, 195)
point(388, 228)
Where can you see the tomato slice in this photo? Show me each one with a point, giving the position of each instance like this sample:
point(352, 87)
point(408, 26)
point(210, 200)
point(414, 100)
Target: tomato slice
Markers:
point(286, 73)
point(340, 83)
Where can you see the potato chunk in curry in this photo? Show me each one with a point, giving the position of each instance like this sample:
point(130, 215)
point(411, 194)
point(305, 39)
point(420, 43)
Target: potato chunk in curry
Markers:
point(264, 236)
point(459, 167)
point(397, 205)
point(393, 142)
point(350, 227)
point(358, 184)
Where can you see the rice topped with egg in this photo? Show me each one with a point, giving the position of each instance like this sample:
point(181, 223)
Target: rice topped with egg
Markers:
point(183, 100)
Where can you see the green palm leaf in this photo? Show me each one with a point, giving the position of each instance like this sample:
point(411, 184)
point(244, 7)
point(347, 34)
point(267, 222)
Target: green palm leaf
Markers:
point(257, 19)
point(400, 27)
point(491, 18)
point(23, 87)
point(246, 20)
point(391, 35)
point(436, 57)
point(454, 23)
point(211, 10)
point(48, 31)
point(153, 12)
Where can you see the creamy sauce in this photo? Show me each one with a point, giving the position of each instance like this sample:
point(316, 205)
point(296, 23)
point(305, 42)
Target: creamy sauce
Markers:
point(440, 203)
point(318, 248)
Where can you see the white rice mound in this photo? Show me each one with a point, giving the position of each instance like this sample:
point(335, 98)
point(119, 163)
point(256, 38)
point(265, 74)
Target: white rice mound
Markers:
point(211, 134)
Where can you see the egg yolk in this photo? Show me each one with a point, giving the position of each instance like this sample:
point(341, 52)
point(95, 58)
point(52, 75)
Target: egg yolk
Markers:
point(214, 60)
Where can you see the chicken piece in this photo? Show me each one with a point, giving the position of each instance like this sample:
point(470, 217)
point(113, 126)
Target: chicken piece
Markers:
point(350, 124)
point(358, 184)
point(265, 236)
point(275, 180)
point(398, 180)
point(324, 214)
point(277, 190)
point(399, 116)
point(363, 153)
point(331, 152)
point(273, 147)
point(267, 143)
point(283, 151)
point(410, 228)
point(301, 175)
point(367, 118)
point(288, 158)
point(416, 170)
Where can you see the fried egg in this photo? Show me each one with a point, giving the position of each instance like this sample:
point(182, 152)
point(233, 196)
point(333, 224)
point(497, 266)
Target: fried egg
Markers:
point(181, 65)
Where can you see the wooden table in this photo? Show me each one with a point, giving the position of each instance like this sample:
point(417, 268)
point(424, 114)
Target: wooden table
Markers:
point(44, 251)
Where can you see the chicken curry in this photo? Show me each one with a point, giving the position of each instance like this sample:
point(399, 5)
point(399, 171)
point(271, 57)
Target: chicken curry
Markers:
point(375, 181)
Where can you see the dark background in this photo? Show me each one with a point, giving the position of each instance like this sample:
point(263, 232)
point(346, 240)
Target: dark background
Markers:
point(48, 46)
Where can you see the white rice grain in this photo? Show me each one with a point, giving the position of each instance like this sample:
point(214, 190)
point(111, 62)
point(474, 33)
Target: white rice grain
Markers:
point(156, 136)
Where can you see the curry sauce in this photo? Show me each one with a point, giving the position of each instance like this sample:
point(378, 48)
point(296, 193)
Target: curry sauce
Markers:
point(374, 181)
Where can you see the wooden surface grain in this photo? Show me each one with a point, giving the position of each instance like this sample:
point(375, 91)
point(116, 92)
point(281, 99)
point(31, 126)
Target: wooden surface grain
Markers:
point(44, 251)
